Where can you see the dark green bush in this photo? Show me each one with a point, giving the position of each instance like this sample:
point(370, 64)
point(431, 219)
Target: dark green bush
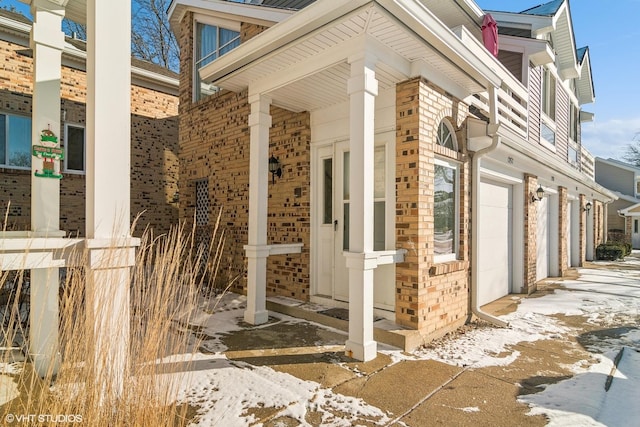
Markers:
point(612, 252)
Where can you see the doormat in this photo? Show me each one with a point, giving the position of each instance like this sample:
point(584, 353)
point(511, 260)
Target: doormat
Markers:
point(341, 313)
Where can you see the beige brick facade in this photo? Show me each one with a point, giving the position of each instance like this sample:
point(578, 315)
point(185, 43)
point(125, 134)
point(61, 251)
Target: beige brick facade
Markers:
point(431, 297)
point(563, 221)
point(154, 148)
point(530, 233)
point(214, 146)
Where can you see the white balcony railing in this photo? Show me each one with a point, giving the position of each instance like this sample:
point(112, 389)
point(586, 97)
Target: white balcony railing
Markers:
point(513, 97)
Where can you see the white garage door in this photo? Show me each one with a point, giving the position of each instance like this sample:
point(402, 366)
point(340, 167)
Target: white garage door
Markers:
point(542, 251)
point(495, 257)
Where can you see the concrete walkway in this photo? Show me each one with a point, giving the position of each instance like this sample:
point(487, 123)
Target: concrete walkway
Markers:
point(415, 392)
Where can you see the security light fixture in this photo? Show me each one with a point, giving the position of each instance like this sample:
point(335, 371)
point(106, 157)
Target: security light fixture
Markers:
point(275, 167)
point(587, 207)
point(539, 194)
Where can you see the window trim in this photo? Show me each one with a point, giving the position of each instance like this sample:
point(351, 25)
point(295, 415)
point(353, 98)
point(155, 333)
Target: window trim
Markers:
point(211, 21)
point(6, 115)
point(66, 149)
point(452, 133)
point(453, 256)
point(546, 95)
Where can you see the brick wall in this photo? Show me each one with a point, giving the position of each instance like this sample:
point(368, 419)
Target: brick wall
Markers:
point(154, 139)
point(530, 233)
point(431, 297)
point(214, 138)
point(563, 222)
point(214, 146)
point(583, 230)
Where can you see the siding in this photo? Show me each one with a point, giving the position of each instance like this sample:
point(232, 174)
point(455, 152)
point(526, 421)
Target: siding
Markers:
point(535, 106)
point(562, 122)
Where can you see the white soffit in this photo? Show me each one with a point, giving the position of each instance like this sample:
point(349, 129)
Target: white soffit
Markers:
point(311, 70)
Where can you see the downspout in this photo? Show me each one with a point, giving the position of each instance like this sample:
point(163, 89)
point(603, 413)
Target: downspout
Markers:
point(492, 131)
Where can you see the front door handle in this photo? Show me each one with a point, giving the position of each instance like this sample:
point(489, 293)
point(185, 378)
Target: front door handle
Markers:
point(335, 225)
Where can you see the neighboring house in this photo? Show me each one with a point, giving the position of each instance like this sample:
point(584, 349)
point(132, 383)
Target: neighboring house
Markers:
point(154, 135)
point(624, 214)
point(420, 176)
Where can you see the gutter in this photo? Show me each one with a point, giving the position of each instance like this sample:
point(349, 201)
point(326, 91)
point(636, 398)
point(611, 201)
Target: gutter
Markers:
point(492, 130)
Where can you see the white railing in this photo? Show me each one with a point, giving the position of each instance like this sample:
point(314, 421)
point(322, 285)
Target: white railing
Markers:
point(587, 163)
point(513, 97)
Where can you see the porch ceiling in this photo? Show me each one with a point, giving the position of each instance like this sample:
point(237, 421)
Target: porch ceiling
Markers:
point(75, 10)
point(311, 71)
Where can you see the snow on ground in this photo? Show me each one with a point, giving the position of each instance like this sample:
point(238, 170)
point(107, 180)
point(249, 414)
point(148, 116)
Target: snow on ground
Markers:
point(224, 390)
point(606, 297)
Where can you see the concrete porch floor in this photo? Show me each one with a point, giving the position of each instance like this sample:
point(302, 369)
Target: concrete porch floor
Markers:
point(411, 392)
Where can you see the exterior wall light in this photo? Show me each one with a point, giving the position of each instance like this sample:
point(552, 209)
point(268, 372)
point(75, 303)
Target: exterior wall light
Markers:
point(539, 194)
point(176, 197)
point(587, 207)
point(275, 167)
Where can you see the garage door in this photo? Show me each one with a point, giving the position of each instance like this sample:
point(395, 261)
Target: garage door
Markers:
point(495, 228)
point(542, 243)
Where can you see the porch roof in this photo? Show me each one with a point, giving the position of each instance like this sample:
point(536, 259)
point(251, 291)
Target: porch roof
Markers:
point(303, 62)
point(75, 10)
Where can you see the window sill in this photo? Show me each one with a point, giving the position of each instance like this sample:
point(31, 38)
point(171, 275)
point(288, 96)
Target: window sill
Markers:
point(448, 267)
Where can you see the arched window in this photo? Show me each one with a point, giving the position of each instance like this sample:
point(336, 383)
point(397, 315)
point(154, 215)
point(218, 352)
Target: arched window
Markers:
point(446, 135)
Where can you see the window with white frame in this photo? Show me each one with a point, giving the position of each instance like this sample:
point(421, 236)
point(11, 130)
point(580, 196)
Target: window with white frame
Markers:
point(446, 198)
point(572, 156)
point(574, 122)
point(15, 141)
point(211, 42)
point(74, 148)
point(549, 94)
point(445, 210)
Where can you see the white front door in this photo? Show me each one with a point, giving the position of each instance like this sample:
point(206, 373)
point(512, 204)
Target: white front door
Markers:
point(332, 201)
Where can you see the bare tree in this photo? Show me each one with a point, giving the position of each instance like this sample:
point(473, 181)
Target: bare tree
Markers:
point(151, 37)
point(73, 29)
point(632, 153)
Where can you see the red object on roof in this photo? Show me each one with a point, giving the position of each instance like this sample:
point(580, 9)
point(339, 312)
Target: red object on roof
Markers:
point(490, 34)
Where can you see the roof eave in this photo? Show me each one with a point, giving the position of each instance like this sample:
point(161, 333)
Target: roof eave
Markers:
point(319, 14)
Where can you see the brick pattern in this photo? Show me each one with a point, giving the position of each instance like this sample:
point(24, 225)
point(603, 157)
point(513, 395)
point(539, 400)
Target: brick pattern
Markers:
point(430, 297)
point(214, 145)
point(248, 31)
point(583, 230)
point(154, 146)
point(563, 222)
point(530, 233)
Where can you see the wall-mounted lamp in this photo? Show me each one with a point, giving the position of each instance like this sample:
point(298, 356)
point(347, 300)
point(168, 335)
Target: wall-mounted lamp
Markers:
point(587, 207)
point(275, 167)
point(176, 197)
point(539, 194)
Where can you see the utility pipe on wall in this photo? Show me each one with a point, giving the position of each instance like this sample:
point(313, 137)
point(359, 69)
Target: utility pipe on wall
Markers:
point(492, 131)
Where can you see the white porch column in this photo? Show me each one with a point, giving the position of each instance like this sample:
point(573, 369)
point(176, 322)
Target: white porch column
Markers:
point(111, 249)
point(47, 42)
point(362, 89)
point(256, 249)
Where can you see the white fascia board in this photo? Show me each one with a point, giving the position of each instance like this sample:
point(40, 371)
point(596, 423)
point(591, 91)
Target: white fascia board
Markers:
point(415, 16)
point(586, 116)
point(14, 26)
point(539, 25)
point(408, 13)
point(537, 51)
point(245, 12)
